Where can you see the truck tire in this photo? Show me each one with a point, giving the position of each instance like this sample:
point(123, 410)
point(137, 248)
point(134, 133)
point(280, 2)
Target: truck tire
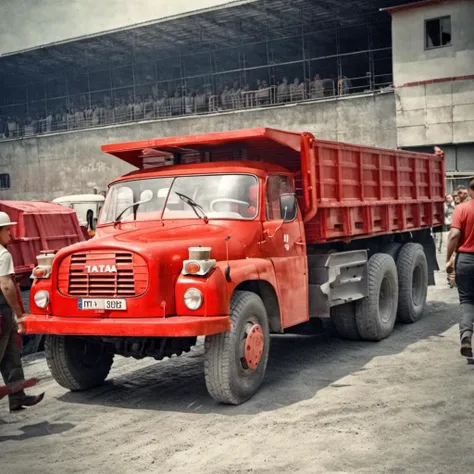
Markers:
point(235, 361)
point(343, 318)
point(376, 313)
point(392, 249)
point(412, 268)
point(76, 363)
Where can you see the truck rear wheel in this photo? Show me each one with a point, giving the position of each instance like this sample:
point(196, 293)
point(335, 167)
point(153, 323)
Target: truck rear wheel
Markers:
point(235, 361)
point(343, 318)
point(412, 269)
point(376, 313)
point(77, 363)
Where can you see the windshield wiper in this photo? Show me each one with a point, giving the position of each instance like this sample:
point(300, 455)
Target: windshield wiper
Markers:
point(148, 198)
point(194, 205)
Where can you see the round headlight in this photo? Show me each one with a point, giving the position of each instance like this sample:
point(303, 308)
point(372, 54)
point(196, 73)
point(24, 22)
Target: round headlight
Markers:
point(193, 299)
point(42, 299)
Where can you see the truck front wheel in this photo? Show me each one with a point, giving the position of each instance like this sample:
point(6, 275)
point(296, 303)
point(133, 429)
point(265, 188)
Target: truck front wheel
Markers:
point(77, 363)
point(235, 361)
point(376, 313)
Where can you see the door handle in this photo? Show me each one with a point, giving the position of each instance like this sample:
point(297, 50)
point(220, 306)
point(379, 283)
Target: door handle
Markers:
point(300, 242)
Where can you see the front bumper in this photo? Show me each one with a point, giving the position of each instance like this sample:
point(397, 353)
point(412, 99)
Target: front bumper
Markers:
point(175, 326)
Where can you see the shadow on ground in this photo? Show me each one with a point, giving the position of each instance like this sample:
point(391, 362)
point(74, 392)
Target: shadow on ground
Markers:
point(38, 430)
point(299, 366)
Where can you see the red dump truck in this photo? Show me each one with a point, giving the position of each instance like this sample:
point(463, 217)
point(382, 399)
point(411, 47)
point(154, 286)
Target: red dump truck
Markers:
point(234, 236)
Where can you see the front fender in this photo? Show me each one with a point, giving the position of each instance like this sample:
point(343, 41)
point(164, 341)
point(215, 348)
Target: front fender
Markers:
point(214, 289)
point(38, 285)
point(249, 269)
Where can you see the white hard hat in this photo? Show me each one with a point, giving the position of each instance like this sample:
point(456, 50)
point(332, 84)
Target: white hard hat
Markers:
point(5, 219)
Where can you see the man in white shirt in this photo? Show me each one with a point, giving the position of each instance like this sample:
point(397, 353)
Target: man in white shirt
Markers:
point(11, 313)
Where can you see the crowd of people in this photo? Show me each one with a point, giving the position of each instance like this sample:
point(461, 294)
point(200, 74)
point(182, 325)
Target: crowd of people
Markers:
point(81, 113)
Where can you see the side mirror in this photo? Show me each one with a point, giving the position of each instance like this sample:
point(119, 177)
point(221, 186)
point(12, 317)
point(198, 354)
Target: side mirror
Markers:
point(288, 207)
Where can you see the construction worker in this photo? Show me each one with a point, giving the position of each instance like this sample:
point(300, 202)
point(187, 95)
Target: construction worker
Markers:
point(11, 314)
point(460, 255)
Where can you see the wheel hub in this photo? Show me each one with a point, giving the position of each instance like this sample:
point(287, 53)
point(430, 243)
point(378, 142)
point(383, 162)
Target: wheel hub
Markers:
point(254, 346)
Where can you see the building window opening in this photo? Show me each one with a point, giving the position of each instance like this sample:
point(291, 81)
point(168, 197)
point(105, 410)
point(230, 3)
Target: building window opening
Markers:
point(438, 32)
point(4, 181)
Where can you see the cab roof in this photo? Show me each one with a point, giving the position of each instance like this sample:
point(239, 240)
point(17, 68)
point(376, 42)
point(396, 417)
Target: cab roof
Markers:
point(258, 144)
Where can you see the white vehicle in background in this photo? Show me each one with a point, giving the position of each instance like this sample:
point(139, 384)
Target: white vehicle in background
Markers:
point(87, 207)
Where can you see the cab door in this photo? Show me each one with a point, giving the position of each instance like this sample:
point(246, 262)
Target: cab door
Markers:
point(284, 244)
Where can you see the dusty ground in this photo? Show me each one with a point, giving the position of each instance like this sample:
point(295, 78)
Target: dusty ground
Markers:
point(400, 406)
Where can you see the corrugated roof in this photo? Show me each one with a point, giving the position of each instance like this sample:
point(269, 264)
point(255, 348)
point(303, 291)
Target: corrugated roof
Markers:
point(222, 28)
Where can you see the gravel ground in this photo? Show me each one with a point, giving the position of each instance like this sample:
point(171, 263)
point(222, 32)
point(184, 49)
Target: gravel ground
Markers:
point(327, 406)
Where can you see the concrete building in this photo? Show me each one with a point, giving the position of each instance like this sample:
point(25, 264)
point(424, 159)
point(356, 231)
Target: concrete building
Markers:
point(59, 60)
point(433, 72)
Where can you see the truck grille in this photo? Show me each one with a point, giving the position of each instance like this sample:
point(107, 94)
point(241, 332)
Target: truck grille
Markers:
point(103, 274)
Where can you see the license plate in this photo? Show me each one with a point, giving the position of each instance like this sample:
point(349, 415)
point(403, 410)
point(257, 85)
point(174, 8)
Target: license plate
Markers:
point(102, 304)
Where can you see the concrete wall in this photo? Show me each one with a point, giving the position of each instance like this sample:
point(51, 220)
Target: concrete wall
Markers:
point(436, 113)
point(28, 24)
point(49, 166)
point(412, 62)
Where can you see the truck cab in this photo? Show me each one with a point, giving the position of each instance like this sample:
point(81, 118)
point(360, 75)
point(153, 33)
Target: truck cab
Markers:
point(209, 237)
point(138, 279)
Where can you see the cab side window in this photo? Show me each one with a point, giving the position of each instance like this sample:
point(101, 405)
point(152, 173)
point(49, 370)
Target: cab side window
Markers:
point(276, 186)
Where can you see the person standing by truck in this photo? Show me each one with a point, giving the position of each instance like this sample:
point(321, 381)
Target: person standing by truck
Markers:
point(461, 241)
point(11, 313)
point(463, 194)
point(449, 207)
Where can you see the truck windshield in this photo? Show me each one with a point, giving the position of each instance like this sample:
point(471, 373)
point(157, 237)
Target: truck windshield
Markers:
point(225, 196)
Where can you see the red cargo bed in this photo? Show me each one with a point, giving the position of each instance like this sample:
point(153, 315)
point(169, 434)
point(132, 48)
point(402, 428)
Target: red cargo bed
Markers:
point(346, 191)
point(367, 191)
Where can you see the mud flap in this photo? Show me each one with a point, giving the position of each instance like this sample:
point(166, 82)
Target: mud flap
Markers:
point(334, 279)
point(425, 238)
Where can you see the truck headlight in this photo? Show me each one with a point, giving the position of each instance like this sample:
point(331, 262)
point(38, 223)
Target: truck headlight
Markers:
point(41, 299)
point(193, 299)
